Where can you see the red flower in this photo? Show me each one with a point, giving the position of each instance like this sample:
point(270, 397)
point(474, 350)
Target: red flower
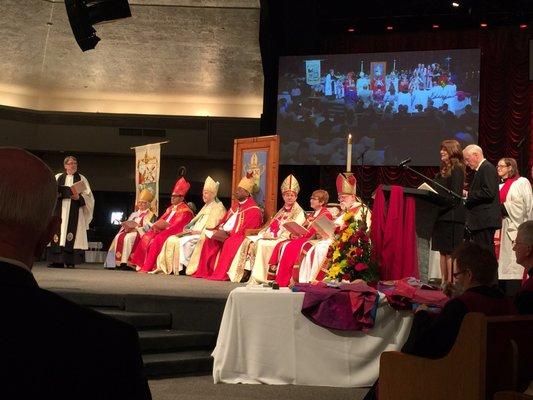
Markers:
point(346, 277)
point(361, 266)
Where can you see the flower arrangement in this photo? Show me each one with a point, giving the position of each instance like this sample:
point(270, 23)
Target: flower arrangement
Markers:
point(350, 254)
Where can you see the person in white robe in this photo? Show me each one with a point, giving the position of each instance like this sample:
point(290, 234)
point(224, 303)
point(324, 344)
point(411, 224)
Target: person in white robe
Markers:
point(180, 253)
point(251, 262)
point(516, 200)
point(137, 224)
point(420, 96)
point(313, 260)
point(449, 96)
point(75, 206)
point(435, 94)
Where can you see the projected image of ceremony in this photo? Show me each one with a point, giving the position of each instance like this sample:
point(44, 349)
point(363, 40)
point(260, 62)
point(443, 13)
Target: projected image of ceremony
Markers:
point(395, 106)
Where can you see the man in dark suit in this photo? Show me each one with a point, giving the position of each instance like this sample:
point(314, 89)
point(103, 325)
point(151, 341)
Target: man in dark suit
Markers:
point(51, 348)
point(483, 214)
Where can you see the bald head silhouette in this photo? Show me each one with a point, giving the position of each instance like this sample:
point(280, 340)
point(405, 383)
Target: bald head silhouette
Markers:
point(28, 192)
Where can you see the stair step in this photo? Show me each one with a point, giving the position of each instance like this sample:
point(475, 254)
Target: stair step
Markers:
point(161, 365)
point(169, 340)
point(141, 320)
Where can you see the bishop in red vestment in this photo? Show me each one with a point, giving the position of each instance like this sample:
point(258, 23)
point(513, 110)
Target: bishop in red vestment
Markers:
point(171, 223)
point(285, 260)
point(216, 256)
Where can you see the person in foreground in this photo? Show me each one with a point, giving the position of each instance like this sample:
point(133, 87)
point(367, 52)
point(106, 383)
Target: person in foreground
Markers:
point(50, 347)
point(474, 290)
point(523, 248)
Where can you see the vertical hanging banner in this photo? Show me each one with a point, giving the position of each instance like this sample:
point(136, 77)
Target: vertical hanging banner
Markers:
point(312, 72)
point(147, 168)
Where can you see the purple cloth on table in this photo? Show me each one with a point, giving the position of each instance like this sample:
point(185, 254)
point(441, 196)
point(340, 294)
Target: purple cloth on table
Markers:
point(350, 307)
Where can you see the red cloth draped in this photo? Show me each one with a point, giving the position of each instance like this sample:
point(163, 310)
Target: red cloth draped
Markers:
point(393, 235)
point(216, 257)
point(377, 227)
point(410, 250)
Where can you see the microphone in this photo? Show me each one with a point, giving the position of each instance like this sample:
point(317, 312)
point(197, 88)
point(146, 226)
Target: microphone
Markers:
point(404, 162)
point(520, 143)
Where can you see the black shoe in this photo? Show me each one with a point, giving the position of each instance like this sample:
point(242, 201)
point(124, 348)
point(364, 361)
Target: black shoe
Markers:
point(183, 272)
point(245, 276)
point(70, 266)
point(56, 265)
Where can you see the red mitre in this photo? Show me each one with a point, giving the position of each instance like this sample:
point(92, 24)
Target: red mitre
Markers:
point(346, 183)
point(181, 187)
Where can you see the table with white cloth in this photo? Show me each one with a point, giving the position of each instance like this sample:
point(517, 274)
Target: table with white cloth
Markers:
point(264, 338)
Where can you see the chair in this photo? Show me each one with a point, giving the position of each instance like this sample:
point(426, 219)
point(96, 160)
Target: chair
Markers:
point(490, 354)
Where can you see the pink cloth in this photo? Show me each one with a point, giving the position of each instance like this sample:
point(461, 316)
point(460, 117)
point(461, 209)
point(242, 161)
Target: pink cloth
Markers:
point(401, 295)
point(352, 307)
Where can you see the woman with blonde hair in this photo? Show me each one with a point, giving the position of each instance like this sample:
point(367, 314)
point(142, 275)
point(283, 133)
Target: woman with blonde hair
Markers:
point(448, 231)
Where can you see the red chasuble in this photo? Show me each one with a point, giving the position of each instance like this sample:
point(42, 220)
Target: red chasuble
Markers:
point(216, 256)
point(147, 249)
point(288, 253)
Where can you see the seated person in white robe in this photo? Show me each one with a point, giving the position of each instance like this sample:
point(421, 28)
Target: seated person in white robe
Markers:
point(346, 188)
point(255, 251)
point(137, 224)
point(178, 251)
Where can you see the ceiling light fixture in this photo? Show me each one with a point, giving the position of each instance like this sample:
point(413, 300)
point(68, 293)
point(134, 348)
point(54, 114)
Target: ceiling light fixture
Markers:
point(351, 29)
point(483, 24)
point(455, 4)
point(390, 27)
point(435, 26)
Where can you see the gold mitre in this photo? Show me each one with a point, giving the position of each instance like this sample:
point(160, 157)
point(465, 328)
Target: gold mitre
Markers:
point(346, 183)
point(290, 183)
point(247, 183)
point(211, 186)
point(146, 195)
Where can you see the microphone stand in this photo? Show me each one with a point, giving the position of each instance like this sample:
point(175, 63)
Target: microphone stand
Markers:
point(362, 158)
point(449, 191)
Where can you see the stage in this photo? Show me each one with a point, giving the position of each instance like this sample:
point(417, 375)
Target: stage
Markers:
point(94, 278)
point(178, 317)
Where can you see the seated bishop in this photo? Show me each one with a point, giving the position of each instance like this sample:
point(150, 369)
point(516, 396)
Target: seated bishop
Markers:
point(283, 265)
point(172, 222)
point(315, 256)
point(138, 223)
point(181, 252)
point(221, 247)
point(255, 250)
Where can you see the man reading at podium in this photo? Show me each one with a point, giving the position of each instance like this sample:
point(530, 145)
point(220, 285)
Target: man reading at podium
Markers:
point(220, 249)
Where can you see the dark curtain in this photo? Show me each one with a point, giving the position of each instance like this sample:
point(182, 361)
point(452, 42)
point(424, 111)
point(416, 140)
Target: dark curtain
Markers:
point(505, 106)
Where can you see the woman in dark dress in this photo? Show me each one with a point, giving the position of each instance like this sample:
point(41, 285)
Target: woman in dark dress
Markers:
point(448, 230)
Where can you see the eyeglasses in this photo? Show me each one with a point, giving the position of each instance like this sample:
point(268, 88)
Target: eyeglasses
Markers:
point(502, 166)
point(458, 273)
point(314, 198)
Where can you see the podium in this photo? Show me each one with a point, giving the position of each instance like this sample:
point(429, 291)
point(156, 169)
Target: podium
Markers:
point(427, 207)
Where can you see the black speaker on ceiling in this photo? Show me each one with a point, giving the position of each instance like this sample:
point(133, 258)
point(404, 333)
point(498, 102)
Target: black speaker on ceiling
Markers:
point(83, 14)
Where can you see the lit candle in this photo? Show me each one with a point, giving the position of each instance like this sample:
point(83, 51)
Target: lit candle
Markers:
point(349, 154)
